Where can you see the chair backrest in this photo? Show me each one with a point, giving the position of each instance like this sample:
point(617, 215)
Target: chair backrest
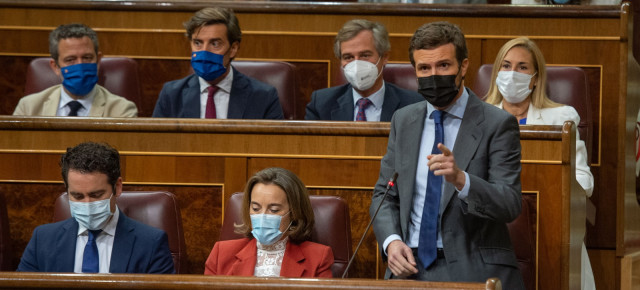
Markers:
point(6, 254)
point(119, 75)
point(279, 74)
point(158, 209)
point(399, 74)
point(566, 85)
point(523, 233)
point(332, 226)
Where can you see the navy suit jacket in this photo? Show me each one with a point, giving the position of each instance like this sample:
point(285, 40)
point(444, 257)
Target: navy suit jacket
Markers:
point(249, 99)
point(336, 103)
point(137, 248)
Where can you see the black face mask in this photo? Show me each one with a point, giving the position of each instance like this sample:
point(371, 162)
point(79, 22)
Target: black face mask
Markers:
point(439, 90)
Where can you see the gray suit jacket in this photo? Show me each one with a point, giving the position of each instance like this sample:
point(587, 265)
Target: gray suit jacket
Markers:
point(475, 238)
point(105, 104)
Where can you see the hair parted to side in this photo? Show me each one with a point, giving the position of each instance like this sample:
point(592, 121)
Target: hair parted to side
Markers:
point(352, 27)
point(73, 30)
point(215, 15)
point(302, 219)
point(435, 34)
point(90, 157)
point(539, 98)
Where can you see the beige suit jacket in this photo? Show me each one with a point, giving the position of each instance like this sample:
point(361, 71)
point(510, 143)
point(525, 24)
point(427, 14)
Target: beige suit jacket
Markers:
point(105, 104)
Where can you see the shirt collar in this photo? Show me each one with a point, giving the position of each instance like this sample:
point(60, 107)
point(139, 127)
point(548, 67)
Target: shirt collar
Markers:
point(376, 98)
point(457, 108)
point(86, 101)
point(109, 228)
point(224, 84)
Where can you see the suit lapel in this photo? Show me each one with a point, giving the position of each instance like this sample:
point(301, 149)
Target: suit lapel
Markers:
point(409, 161)
point(469, 136)
point(65, 249)
point(50, 105)
point(246, 258)
point(123, 242)
point(191, 98)
point(239, 96)
point(344, 111)
point(97, 107)
point(292, 262)
point(390, 103)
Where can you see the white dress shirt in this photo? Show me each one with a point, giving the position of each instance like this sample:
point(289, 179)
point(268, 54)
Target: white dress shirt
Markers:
point(373, 111)
point(221, 98)
point(104, 241)
point(63, 108)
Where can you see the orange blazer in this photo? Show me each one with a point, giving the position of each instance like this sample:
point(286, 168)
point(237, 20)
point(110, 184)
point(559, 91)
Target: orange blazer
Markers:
point(238, 258)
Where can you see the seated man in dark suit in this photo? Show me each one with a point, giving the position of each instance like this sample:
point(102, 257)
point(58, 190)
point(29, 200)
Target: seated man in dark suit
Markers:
point(216, 90)
point(363, 49)
point(98, 238)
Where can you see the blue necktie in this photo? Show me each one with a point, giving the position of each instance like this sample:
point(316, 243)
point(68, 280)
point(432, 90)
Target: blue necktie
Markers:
point(90, 259)
point(427, 248)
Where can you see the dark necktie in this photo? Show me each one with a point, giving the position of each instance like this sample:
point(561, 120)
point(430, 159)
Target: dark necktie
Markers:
point(427, 247)
point(90, 259)
point(210, 112)
point(362, 104)
point(74, 106)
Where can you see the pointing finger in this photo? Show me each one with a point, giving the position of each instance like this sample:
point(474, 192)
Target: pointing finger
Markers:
point(444, 149)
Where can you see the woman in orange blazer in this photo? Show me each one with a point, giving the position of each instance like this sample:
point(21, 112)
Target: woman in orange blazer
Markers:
point(277, 222)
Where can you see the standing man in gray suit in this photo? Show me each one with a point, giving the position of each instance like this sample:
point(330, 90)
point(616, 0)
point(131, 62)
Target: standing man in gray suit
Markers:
point(363, 49)
point(458, 161)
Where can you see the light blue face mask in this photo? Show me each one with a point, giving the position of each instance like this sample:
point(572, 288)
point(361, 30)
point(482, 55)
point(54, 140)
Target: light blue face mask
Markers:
point(266, 227)
point(91, 215)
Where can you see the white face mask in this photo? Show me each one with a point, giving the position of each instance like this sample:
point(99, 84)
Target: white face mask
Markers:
point(514, 86)
point(91, 215)
point(361, 74)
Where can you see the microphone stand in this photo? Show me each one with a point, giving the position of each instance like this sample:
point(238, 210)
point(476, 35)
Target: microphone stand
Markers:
point(390, 184)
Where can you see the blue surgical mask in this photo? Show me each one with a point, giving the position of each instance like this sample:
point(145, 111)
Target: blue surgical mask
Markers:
point(207, 65)
point(91, 215)
point(266, 228)
point(79, 79)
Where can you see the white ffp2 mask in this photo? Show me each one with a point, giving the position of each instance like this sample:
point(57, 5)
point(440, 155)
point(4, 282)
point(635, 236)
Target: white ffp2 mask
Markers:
point(361, 74)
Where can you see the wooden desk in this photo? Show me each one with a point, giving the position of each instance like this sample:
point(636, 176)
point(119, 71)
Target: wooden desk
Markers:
point(204, 161)
point(11, 280)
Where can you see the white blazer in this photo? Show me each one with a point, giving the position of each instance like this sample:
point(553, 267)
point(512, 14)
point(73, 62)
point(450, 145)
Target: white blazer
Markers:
point(557, 116)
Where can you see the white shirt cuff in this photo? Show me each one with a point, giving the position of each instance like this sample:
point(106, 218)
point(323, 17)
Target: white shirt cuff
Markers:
point(464, 192)
point(388, 241)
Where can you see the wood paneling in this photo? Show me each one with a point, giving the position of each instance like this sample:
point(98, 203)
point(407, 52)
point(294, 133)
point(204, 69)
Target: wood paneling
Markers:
point(203, 162)
point(596, 38)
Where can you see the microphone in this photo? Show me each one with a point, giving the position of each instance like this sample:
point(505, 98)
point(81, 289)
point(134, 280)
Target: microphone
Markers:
point(390, 184)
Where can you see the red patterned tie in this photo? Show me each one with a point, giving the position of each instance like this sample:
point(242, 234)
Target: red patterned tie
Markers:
point(210, 112)
point(362, 104)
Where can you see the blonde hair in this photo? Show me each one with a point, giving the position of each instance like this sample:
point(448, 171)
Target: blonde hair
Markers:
point(539, 98)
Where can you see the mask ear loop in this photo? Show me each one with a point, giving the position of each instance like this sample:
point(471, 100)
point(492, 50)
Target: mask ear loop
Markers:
point(290, 223)
point(459, 71)
point(380, 72)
